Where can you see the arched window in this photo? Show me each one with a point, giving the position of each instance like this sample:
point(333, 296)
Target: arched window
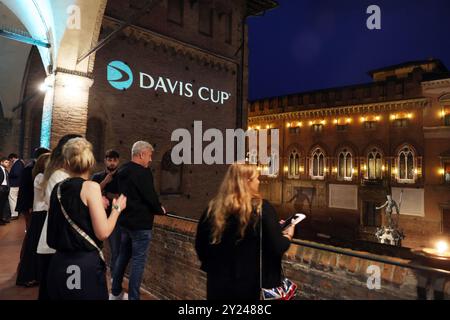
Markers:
point(374, 164)
point(317, 164)
point(345, 165)
point(294, 164)
point(406, 165)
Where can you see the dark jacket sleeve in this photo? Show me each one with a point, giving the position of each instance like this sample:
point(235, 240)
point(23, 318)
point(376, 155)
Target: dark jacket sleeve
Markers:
point(2, 176)
point(202, 240)
point(26, 190)
point(273, 237)
point(147, 190)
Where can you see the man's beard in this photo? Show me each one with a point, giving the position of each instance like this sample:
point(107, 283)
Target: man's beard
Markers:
point(111, 169)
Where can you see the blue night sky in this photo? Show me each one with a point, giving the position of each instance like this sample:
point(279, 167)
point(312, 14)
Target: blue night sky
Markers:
point(314, 44)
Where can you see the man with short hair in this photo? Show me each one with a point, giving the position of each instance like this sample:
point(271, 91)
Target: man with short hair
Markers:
point(15, 174)
point(4, 190)
point(110, 189)
point(136, 183)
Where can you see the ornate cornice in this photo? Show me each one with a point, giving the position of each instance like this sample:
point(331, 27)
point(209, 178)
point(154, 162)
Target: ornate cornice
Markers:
point(436, 83)
point(389, 106)
point(175, 47)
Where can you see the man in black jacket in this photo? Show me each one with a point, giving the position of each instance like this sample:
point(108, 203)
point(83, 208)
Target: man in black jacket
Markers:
point(135, 181)
point(15, 174)
point(4, 190)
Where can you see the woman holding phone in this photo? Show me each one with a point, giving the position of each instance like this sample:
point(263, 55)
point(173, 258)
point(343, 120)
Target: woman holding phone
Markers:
point(229, 236)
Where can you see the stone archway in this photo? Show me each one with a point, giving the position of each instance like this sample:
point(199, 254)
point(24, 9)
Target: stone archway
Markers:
point(69, 28)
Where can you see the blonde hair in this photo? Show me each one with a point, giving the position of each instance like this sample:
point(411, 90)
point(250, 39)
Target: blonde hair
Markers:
point(78, 156)
point(234, 198)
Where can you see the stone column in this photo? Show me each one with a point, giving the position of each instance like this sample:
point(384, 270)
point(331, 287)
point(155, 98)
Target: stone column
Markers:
point(65, 106)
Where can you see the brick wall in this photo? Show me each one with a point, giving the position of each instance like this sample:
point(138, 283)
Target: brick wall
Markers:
point(172, 271)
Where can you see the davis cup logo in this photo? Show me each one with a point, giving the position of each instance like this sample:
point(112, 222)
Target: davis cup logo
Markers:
point(119, 75)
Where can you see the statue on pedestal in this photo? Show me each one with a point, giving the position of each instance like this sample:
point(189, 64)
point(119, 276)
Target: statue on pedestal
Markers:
point(390, 233)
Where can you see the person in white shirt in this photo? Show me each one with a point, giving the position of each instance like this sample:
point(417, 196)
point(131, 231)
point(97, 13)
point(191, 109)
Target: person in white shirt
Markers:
point(28, 269)
point(53, 174)
point(4, 190)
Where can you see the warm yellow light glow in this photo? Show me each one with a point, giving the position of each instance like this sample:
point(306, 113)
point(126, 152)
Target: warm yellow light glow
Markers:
point(302, 169)
point(311, 123)
point(393, 116)
point(410, 115)
point(348, 120)
point(441, 247)
point(335, 170)
point(394, 171)
point(355, 171)
point(441, 171)
point(336, 121)
point(288, 125)
point(383, 168)
point(268, 126)
point(443, 113)
point(258, 127)
point(377, 118)
point(364, 168)
point(299, 124)
point(363, 119)
point(286, 169)
point(323, 122)
point(325, 170)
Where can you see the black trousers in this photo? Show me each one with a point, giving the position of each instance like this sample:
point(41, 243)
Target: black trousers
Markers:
point(28, 269)
point(5, 213)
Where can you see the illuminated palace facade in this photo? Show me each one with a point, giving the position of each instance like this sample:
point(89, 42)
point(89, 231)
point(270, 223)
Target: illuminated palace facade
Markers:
point(343, 150)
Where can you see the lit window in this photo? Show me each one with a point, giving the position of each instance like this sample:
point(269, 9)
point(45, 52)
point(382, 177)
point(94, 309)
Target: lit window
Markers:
point(294, 164)
point(370, 125)
point(406, 165)
point(318, 164)
point(401, 123)
point(375, 165)
point(345, 165)
point(447, 120)
point(447, 172)
point(317, 128)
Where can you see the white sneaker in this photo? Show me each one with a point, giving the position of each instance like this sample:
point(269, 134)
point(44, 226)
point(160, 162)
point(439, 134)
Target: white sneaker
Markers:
point(121, 296)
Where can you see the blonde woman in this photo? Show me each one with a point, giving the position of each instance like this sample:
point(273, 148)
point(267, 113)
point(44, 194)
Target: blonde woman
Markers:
point(228, 238)
point(54, 173)
point(77, 226)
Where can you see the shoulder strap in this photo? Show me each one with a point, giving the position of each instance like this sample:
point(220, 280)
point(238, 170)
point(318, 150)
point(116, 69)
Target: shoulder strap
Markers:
point(74, 225)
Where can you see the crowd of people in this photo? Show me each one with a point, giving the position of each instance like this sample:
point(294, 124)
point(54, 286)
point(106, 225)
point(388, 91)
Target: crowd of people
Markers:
point(69, 213)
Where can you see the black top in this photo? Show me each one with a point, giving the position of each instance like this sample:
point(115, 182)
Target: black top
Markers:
point(60, 234)
point(26, 189)
point(15, 174)
point(112, 187)
point(136, 183)
point(234, 260)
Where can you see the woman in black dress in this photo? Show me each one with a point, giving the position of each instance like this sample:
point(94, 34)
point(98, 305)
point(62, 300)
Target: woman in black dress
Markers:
point(28, 269)
point(77, 225)
point(228, 239)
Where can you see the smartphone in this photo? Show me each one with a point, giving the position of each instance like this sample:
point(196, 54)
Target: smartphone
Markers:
point(294, 219)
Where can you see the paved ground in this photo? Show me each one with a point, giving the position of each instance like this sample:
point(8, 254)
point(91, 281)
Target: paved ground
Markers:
point(11, 237)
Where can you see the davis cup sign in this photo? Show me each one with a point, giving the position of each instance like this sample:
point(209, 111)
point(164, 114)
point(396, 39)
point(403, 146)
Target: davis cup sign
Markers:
point(121, 77)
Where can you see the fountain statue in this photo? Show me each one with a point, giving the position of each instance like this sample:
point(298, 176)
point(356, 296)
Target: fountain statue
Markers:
point(390, 233)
